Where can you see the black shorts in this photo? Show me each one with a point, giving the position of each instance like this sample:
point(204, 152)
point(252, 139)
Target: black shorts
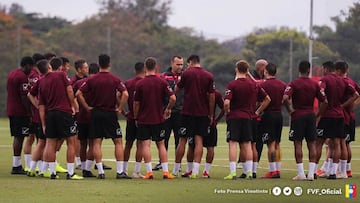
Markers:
point(19, 126)
point(83, 131)
point(131, 130)
point(33, 128)
point(175, 124)
point(59, 124)
point(37, 131)
point(154, 132)
point(239, 130)
point(331, 128)
point(303, 127)
point(196, 125)
point(211, 140)
point(104, 125)
point(350, 131)
point(271, 126)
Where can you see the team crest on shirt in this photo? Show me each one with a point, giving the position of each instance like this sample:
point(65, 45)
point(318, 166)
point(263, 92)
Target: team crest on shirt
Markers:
point(162, 133)
point(25, 86)
point(118, 131)
point(25, 130)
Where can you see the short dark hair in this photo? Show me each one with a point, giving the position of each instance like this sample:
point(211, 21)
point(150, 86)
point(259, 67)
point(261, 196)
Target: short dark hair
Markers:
point(304, 67)
point(79, 63)
point(174, 57)
point(193, 58)
point(150, 63)
point(329, 65)
point(93, 68)
point(104, 61)
point(49, 55)
point(341, 66)
point(139, 67)
point(65, 60)
point(56, 63)
point(271, 69)
point(27, 60)
point(43, 66)
point(37, 57)
point(242, 66)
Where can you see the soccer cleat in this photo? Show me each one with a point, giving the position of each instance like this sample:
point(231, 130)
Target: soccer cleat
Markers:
point(137, 175)
point(231, 176)
point(74, 177)
point(239, 165)
point(249, 176)
point(60, 169)
point(31, 173)
point(193, 176)
point(243, 175)
point(299, 177)
point(167, 175)
point(310, 178)
point(26, 169)
point(78, 167)
point(253, 175)
point(205, 174)
point(331, 177)
point(186, 174)
point(101, 176)
point(54, 176)
point(149, 175)
point(349, 174)
point(341, 176)
point(105, 167)
point(46, 174)
point(320, 173)
point(88, 174)
point(18, 170)
point(157, 167)
point(175, 174)
point(271, 174)
point(122, 175)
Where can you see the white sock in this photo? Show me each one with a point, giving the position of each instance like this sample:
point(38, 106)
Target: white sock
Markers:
point(348, 166)
point(196, 167)
point(119, 166)
point(233, 166)
point(70, 168)
point(148, 167)
point(343, 166)
point(45, 166)
point(27, 159)
point(137, 167)
point(311, 169)
point(329, 165)
point(255, 165)
point(39, 163)
point(272, 166)
point(56, 156)
point(52, 167)
point(88, 164)
point(33, 165)
point(300, 169)
point(248, 166)
point(325, 166)
point(277, 166)
point(100, 168)
point(189, 166)
point(176, 168)
point(334, 168)
point(16, 161)
point(83, 165)
point(165, 167)
point(125, 164)
point(78, 161)
point(207, 167)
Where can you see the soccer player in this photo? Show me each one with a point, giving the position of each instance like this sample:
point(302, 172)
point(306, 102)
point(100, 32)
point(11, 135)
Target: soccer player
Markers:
point(82, 70)
point(198, 105)
point(239, 110)
point(131, 128)
point(271, 120)
point(210, 142)
point(299, 97)
point(18, 109)
point(172, 75)
point(331, 123)
point(56, 106)
point(83, 124)
point(108, 97)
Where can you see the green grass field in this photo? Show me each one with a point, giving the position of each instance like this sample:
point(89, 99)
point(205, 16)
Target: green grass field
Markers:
point(215, 189)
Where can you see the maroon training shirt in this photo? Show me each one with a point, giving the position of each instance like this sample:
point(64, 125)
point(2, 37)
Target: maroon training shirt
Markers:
point(34, 77)
point(151, 92)
point(130, 86)
point(83, 116)
point(197, 84)
point(275, 89)
point(103, 87)
point(17, 87)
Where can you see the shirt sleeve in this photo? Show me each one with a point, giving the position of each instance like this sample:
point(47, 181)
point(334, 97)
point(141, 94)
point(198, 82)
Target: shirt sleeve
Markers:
point(137, 93)
point(228, 92)
point(219, 100)
point(289, 90)
point(121, 86)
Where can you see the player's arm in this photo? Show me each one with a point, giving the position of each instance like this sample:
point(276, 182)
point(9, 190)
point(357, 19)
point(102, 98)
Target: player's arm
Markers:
point(70, 95)
point(288, 105)
point(227, 106)
point(263, 105)
point(122, 98)
point(42, 117)
point(219, 103)
point(167, 111)
point(211, 106)
point(80, 97)
point(136, 107)
point(351, 100)
point(34, 101)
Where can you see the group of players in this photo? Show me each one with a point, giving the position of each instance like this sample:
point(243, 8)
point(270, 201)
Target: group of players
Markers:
point(43, 101)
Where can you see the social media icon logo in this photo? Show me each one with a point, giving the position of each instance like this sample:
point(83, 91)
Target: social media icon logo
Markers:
point(298, 191)
point(276, 191)
point(287, 191)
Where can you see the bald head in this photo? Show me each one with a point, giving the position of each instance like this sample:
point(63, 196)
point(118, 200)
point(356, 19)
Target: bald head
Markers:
point(260, 64)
